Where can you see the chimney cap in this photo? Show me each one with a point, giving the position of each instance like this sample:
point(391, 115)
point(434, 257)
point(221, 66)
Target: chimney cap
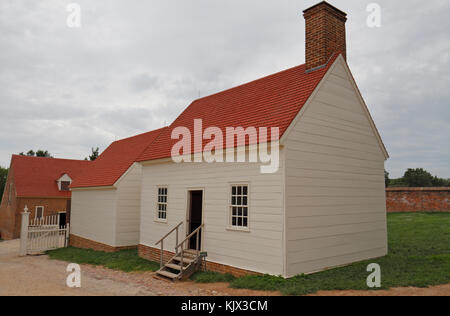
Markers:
point(326, 4)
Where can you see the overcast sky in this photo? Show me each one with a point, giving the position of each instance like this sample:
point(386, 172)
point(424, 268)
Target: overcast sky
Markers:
point(133, 66)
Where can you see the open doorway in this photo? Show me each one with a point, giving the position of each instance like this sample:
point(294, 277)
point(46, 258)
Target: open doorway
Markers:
point(62, 220)
point(195, 216)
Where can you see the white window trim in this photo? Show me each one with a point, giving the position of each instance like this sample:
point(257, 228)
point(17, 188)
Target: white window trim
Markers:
point(230, 226)
point(35, 211)
point(157, 219)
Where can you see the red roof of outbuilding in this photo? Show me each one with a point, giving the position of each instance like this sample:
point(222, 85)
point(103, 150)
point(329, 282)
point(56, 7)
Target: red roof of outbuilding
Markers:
point(37, 177)
point(115, 160)
point(273, 101)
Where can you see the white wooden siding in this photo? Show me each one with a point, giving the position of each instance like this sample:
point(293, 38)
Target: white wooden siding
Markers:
point(128, 207)
point(259, 250)
point(93, 215)
point(335, 195)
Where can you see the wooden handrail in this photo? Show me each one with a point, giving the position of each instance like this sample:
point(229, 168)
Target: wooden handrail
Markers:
point(181, 244)
point(167, 235)
point(190, 235)
point(161, 241)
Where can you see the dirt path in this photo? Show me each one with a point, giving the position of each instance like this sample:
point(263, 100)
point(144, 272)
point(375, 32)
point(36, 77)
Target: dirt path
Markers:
point(41, 276)
point(38, 275)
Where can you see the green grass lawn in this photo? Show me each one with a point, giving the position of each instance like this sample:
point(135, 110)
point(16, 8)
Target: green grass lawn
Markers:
point(125, 260)
point(419, 256)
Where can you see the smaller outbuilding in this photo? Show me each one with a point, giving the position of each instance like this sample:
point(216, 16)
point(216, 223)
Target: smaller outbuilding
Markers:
point(41, 184)
point(106, 197)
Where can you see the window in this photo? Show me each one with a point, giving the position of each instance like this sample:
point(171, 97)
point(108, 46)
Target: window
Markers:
point(39, 212)
point(162, 204)
point(65, 185)
point(239, 206)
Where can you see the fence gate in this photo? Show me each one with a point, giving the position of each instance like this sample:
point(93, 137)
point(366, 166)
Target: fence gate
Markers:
point(40, 235)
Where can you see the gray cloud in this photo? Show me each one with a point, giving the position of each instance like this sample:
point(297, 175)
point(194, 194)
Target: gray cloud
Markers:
point(134, 65)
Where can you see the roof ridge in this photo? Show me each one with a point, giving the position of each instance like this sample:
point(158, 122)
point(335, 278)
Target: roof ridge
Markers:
point(249, 82)
point(34, 157)
point(154, 140)
point(137, 135)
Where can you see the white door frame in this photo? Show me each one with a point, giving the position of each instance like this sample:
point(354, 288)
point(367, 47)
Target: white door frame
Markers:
point(188, 206)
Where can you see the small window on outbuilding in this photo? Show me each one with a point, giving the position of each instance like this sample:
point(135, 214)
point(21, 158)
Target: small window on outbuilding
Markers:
point(239, 206)
point(39, 212)
point(162, 204)
point(65, 185)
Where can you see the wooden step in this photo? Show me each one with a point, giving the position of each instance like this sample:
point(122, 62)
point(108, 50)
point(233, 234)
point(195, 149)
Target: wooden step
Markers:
point(191, 252)
point(185, 260)
point(167, 274)
point(173, 266)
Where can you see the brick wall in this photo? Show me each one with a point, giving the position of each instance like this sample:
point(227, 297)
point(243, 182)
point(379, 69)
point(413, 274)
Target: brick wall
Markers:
point(154, 254)
point(8, 216)
point(80, 242)
point(418, 199)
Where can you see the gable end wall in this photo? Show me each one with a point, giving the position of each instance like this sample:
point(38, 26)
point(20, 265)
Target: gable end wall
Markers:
point(335, 194)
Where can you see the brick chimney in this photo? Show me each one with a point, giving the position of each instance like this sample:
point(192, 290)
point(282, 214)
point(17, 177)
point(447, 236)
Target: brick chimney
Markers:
point(325, 34)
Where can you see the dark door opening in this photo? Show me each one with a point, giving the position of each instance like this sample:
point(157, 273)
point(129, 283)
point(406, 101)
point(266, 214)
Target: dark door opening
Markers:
point(62, 220)
point(195, 217)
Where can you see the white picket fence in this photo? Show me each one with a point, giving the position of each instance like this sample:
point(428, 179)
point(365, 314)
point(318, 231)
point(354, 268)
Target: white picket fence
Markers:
point(43, 234)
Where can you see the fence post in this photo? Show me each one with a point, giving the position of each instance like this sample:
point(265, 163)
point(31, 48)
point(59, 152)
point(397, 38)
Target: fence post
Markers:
point(67, 240)
point(24, 231)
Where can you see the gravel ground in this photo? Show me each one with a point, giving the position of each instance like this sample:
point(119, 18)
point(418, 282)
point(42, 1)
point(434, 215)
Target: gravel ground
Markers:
point(38, 275)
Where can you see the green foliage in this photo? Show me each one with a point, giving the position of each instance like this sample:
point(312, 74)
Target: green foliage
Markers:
point(415, 178)
point(94, 154)
point(418, 178)
point(386, 178)
point(3, 177)
point(211, 277)
point(397, 183)
point(125, 260)
point(419, 256)
point(39, 153)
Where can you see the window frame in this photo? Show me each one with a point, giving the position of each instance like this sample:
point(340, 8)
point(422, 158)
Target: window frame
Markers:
point(35, 212)
point(158, 203)
point(68, 185)
point(230, 207)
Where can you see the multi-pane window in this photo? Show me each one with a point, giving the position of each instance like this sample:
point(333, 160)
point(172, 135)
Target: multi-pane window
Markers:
point(39, 212)
point(65, 185)
point(239, 206)
point(162, 203)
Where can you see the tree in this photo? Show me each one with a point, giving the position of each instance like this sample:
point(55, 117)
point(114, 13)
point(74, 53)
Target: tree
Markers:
point(3, 177)
point(39, 153)
point(418, 178)
point(386, 178)
point(94, 154)
point(43, 153)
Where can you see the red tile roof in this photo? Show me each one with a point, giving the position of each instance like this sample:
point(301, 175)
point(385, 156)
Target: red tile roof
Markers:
point(115, 161)
point(36, 177)
point(272, 101)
